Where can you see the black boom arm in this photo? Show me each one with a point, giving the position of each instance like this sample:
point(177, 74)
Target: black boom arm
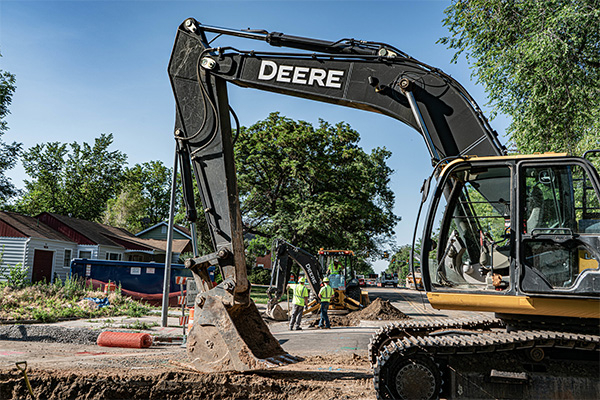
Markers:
point(370, 76)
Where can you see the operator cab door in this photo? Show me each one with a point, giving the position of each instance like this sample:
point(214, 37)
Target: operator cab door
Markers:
point(467, 239)
point(559, 240)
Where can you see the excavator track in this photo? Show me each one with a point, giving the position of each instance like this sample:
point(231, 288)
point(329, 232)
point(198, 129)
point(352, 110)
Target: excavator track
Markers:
point(489, 365)
point(401, 329)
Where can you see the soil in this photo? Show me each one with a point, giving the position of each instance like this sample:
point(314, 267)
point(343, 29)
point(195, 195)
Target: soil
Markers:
point(319, 378)
point(378, 310)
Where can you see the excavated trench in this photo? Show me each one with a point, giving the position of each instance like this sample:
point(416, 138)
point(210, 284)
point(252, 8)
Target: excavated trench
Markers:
point(338, 383)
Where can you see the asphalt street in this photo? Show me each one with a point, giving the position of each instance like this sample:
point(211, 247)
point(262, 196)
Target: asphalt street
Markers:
point(339, 340)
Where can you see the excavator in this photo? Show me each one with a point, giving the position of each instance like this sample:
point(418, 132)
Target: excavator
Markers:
point(347, 295)
point(516, 235)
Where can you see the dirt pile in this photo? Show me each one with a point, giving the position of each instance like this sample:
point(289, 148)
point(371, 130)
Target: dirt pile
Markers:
point(378, 310)
point(315, 384)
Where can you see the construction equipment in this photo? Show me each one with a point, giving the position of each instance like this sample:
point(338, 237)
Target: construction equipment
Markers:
point(518, 235)
point(346, 297)
point(414, 281)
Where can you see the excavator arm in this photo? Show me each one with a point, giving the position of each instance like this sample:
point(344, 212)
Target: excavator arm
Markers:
point(228, 333)
point(285, 255)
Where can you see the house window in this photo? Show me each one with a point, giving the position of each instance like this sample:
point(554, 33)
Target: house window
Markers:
point(85, 254)
point(163, 229)
point(113, 256)
point(67, 259)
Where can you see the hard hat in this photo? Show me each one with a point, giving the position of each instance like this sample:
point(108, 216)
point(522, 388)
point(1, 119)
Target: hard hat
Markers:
point(302, 279)
point(326, 279)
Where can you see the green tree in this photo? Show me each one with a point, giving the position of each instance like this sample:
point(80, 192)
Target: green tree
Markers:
point(76, 180)
point(8, 152)
point(128, 209)
point(313, 186)
point(144, 197)
point(399, 263)
point(539, 61)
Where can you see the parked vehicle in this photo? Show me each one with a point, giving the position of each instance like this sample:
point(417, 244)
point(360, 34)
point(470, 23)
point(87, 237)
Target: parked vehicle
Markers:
point(388, 280)
point(361, 280)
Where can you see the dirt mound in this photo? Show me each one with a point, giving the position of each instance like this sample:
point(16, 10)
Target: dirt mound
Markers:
point(378, 310)
point(92, 385)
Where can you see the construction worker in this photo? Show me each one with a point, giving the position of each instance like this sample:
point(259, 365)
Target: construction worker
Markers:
point(335, 268)
point(299, 300)
point(325, 295)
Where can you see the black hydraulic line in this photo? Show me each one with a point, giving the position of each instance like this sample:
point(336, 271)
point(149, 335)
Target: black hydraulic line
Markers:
point(186, 181)
point(279, 39)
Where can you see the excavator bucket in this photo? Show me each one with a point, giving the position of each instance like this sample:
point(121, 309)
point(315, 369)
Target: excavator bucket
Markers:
point(277, 313)
point(234, 339)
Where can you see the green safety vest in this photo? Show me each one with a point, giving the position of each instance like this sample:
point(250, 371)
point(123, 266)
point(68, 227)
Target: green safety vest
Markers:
point(300, 292)
point(335, 269)
point(326, 293)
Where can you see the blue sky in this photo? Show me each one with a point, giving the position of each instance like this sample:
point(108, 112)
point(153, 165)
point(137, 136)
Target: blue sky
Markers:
point(89, 67)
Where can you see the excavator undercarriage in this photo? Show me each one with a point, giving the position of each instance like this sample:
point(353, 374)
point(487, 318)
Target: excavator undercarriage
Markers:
point(495, 364)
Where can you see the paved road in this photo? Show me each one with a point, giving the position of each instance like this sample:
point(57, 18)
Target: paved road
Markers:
point(312, 341)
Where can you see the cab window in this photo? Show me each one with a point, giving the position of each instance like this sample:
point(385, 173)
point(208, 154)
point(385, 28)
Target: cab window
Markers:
point(472, 232)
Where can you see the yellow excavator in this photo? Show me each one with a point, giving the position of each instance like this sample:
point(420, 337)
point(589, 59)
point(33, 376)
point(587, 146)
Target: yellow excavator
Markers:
point(517, 235)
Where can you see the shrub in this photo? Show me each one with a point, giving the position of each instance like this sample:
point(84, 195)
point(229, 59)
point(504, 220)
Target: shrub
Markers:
point(259, 276)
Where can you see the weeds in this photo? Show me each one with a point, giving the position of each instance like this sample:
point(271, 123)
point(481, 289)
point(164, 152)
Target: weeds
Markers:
point(140, 326)
point(13, 277)
point(49, 302)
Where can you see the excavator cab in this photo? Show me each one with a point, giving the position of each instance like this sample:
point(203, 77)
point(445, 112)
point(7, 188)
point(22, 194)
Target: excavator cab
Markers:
point(502, 228)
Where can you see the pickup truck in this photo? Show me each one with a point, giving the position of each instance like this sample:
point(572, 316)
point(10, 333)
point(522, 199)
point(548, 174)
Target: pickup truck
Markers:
point(388, 280)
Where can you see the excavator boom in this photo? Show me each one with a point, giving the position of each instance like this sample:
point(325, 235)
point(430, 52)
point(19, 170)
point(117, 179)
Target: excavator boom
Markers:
point(365, 75)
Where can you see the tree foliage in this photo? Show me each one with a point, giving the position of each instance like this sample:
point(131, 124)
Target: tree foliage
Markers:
point(400, 263)
point(539, 61)
point(315, 187)
point(74, 179)
point(8, 152)
point(144, 197)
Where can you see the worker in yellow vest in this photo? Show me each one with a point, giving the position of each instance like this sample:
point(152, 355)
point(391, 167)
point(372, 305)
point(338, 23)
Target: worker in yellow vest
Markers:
point(300, 299)
point(325, 295)
point(335, 268)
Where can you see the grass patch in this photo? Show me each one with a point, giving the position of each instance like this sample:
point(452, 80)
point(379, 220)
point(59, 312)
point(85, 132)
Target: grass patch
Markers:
point(50, 302)
point(259, 295)
point(140, 325)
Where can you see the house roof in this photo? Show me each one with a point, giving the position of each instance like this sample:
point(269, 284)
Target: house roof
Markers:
point(111, 236)
point(75, 230)
point(96, 232)
point(31, 227)
point(182, 229)
point(179, 245)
